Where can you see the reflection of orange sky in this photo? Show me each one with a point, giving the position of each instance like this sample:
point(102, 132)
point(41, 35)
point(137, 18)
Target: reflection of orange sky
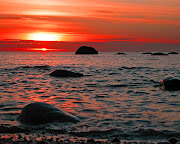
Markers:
point(149, 21)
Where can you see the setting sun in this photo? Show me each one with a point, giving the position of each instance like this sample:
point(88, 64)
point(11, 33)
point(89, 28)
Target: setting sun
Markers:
point(43, 49)
point(42, 36)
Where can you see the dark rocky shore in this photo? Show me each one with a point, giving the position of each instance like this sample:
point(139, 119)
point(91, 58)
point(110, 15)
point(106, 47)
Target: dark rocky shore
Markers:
point(15, 135)
point(29, 138)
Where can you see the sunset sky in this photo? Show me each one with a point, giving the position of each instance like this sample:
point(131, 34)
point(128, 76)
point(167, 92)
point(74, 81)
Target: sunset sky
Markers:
point(109, 25)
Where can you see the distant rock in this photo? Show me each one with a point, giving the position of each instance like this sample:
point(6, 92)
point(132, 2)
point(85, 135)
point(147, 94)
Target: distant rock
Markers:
point(147, 53)
point(173, 53)
point(86, 50)
point(121, 53)
point(170, 84)
point(41, 113)
point(65, 73)
point(158, 54)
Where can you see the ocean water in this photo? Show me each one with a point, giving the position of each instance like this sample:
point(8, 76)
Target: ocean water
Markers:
point(120, 99)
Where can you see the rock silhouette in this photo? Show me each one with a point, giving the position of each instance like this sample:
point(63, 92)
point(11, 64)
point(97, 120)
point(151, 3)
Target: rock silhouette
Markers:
point(173, 53)
point(41, 113)
point(65, 73)
point(42, 67)
point(170, 84)
point(86, 50)
point(158, 54)
point(121, 53)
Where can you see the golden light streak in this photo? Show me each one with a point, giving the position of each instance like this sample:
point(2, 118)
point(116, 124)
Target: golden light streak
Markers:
point(44, 36)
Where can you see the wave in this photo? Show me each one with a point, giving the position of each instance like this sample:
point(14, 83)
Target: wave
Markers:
point(155, 133)
point(150, 134)
point(117, 85)
point(126, 85)
point(11, 109)
point(140, 134)
point(130, 68)
point(38, 67)
point(45, 67)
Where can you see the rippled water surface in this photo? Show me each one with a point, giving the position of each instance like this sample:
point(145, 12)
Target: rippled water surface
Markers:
point(120, 98)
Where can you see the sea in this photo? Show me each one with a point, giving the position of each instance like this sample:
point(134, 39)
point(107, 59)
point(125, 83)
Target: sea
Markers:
point(119, 96)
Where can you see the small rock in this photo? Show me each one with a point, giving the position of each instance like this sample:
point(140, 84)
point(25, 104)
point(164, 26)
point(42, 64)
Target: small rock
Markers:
point(115, 140)
point(90, 141)
point(158, 54)
point(170, 84)
point(172, 140)
point(86, 50)
point(19, 136)
point(121, 53)
point(173, 53)
point(65, 73)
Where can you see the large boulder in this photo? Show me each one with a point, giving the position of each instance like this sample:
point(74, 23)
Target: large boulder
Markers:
point(65, 73)
point(170, 84)
point(86, 50)
point(41, 113)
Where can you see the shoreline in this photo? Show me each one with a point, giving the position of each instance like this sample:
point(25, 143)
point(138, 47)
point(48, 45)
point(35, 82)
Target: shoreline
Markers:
point(22, 138)
point(16, 135)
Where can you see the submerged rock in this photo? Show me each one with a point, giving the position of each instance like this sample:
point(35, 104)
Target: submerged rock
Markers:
point(158, 54)
point(41, 113)
point(86, 50)
point(65, 73)
point(170, 84)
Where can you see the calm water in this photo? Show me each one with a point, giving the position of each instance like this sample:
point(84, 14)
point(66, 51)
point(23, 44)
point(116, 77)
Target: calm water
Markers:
point(121, 98)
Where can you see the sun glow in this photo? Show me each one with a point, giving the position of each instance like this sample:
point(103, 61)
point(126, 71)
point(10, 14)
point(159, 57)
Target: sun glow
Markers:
point(42, 36)
point(43, 49)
